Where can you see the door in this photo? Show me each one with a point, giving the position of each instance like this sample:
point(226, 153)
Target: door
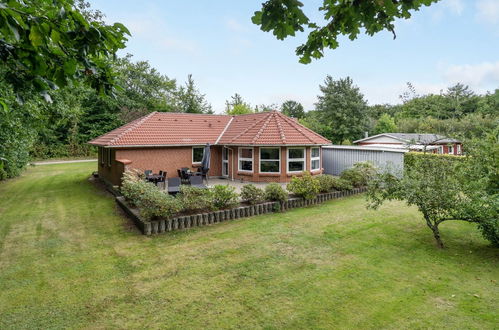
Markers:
point(225, 162)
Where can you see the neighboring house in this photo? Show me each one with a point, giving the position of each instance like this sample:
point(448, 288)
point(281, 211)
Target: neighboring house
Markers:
point(265, 146)
point(415, 142)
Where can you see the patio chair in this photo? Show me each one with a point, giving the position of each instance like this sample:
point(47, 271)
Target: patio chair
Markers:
point(203, 172)
point(162, 178)
point(173, 185)
point(197, 181)
point(184, 174)
point(147, 172)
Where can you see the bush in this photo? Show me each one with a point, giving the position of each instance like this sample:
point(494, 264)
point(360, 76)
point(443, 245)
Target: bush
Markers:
point(274, 192)
point(411, 157)
point(490, 230)
point(342, 184)
point(305, 186)
point(224, 196)
point(195, 199)
point(326, 183)
point(252, 194)
point(152, 202)
point(359, 174)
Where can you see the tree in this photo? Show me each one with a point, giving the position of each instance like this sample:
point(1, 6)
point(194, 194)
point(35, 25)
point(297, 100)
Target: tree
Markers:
point(385, 124)
point(237, 106)
point(266, 107)
point(285, 17)
point(190, 100)
point(342, 107)
point(48, 44)
point(445, 188)
point(292, 109)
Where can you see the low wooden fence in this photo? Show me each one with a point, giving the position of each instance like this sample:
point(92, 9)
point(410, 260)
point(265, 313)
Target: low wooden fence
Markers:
point(209, 218)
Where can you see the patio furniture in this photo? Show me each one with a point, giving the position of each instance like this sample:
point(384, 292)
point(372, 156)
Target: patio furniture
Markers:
point(162, 178)
point(173, 185)
point(203, 172)
point(184, 174)
point(197, 181)
point(147, 172)
point(154, 178)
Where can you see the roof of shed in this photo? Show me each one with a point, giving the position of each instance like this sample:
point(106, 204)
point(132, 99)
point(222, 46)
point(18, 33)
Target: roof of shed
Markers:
point(416, 138)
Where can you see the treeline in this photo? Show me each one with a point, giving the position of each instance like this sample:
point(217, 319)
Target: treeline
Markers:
point(32, 128)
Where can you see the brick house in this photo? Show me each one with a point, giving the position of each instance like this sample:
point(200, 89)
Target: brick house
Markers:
point(259, 147)
point(415, 142)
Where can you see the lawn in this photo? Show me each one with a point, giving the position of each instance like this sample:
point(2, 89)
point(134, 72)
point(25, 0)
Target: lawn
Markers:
point(69, 259)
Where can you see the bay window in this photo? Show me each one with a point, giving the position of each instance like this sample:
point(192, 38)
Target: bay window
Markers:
point(296, 160)
point(270, 160)
point(246, 159)
point(315, 159)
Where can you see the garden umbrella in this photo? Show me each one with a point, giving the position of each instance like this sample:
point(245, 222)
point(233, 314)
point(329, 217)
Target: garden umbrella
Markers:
point(205, 162)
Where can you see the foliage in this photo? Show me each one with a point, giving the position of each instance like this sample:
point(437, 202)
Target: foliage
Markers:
point(237, 106)
point(348, 18)
point(47, 44)
point(342, 108)
point(132, 187)
point(190, 100)
point(274, 192)
point(444, 189)
point(224, 196)
point(328, 183)
point(305, 186)
point(292, 109)
point(385, 124)
point(252, 194)
point(195, 199)
point(360, 174)
point(411, 159)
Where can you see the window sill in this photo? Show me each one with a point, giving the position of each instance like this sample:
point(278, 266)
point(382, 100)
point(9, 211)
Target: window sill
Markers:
point(269, 174)
point(247, 173)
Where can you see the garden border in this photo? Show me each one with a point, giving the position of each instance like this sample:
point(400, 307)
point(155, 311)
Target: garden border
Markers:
point(209, 218)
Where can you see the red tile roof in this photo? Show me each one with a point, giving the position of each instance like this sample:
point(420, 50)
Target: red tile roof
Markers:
point(168, 128)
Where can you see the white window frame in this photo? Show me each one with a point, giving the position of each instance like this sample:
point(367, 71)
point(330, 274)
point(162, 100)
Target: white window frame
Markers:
point(458, 149)
point(315, 158)
point(450, 150)
point(303, 160)
point(108, 157)
point(240, 158)
point(192, 154)
point(441, 149)
point(269, 160)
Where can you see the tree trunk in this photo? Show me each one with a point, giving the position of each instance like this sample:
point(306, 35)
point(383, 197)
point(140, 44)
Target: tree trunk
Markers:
point(436, 232)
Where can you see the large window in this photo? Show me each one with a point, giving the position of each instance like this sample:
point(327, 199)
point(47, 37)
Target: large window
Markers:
point(197, 154)
point(270, 160)
point(451, 150)
point(246, 159)
point(296, 160)
point(315, 159)
point(458, 149)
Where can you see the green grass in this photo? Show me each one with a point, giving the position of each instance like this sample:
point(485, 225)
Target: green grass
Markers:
point(69, 259)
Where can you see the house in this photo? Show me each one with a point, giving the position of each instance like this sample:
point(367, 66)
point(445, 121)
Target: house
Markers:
point(415, 142)
point(259, 147)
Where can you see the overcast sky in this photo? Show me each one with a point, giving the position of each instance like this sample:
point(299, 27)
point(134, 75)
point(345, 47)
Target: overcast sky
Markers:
point(215, 41)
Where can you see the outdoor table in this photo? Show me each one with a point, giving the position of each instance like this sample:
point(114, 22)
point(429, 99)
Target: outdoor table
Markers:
point(154, 178)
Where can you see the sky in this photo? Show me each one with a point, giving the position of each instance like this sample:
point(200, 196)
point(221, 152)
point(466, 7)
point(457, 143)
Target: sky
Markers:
point(449, 42)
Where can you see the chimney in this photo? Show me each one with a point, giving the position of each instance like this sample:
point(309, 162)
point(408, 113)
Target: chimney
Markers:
point(366, 134)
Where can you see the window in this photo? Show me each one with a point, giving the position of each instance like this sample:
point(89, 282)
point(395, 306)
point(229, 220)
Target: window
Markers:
point(296, 160)
point(458, 149)
point(246, 159)
point(270, 160)
point(441, 150)
point(101, 149)
point(315, 159)
point(451, 149)
point(197, 154)
point(108, 157)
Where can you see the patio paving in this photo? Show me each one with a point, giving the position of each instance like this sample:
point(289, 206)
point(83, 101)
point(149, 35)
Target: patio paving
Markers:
point(238, 184)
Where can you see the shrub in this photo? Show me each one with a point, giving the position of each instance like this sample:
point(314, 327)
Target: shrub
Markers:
point(224, 196)
point(252, 194)
point(274, 192)
point(490, 230)
point(326, 183)
point(305, 186)
point(341, 184)
point(359, 174)
point(157, 204)
point(194, 199)
point(132, 187)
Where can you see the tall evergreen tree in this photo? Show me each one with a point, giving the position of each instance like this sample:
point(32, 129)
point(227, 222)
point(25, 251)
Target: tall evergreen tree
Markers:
point(342, 107)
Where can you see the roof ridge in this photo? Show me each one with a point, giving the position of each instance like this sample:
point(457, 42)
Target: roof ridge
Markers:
point(132, 127)
point(299, 127)
point(225, 129)
point(264, 126)
point(279, 126)
point(247, 129)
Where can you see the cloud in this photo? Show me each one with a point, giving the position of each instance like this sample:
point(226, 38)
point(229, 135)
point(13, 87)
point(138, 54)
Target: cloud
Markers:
point(487, 11)
point(476, 75)
point(455, 6)
point(441, 9)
